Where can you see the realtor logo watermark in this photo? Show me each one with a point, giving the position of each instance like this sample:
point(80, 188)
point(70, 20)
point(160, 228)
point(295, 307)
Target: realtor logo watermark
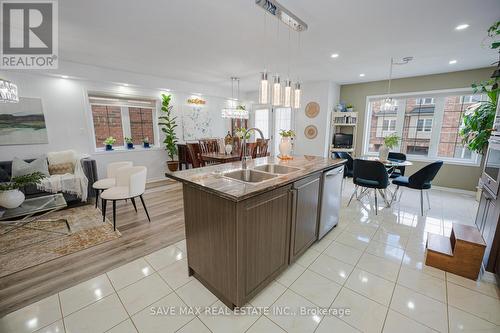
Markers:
point(29, 34)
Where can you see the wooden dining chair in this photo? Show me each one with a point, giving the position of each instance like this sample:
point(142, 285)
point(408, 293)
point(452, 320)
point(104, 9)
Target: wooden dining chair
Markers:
point(184, 158)
point(195, 155)
point(209, 146)
point(251, 149)
point(261, 149)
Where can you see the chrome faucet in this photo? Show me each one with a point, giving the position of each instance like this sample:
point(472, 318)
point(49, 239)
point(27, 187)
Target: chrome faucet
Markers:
point(244, 155)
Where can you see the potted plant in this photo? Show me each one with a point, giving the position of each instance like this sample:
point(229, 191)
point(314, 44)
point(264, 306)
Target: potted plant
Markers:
point(239, 132)
point(390, 142)
point(168, 125)
point(129, 142)
point(145, 142)
point(285, 146)
point(349, 108)
point(109, 142)
point(11, 196)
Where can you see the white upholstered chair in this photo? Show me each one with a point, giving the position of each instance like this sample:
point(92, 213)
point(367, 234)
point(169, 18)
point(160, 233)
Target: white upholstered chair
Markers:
point(130, 184)
point(109, 181)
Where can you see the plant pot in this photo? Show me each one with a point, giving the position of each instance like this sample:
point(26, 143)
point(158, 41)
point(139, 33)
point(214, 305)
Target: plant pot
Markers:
point(173, 165)
point(350, 109)
point(109, 147)
point(11, 198)
point(285, 146)
point(383, 153)
point(145, 144)
point(130, 145)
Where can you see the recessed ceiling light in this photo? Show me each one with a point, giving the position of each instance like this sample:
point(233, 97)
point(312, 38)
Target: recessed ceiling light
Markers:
point(335, 55)
point(362, 75)
point(461, 26)
point(452, 62)
point(64, 76)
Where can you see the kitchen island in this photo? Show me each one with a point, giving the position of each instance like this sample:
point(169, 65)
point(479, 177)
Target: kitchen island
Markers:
point(244, 227)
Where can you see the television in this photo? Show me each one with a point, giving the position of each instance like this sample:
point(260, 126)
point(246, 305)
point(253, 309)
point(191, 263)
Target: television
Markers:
point(341, 140)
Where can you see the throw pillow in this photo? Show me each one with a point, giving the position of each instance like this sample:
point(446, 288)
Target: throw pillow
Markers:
point(59, 157)
point(61, 168)
point(21, 168)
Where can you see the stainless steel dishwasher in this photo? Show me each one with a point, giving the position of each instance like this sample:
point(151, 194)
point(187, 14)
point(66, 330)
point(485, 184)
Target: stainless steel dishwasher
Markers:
point(331, 198)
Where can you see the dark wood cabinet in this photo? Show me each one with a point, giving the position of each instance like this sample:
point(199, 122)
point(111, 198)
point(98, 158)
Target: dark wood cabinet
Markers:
point(305, 208)
point(487, 218)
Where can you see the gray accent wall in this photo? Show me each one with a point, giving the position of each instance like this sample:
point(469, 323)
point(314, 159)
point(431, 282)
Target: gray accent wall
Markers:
point(451, 175)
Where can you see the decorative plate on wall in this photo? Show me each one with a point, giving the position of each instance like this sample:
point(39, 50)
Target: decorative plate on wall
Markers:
point(312, 109)
point(311, 132)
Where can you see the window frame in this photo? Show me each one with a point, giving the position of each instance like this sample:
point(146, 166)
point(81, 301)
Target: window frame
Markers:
point(425, 127)
point(122, 149)
point(438, 99)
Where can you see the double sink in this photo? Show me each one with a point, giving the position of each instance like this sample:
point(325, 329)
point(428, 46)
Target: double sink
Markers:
point(260, 173)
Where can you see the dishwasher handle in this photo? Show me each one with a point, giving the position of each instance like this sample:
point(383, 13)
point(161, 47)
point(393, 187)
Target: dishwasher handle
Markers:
point(334, 172)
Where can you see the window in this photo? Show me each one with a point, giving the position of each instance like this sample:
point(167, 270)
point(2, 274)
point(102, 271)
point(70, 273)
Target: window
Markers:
point(428, 126)
point(424, 125)
point(425, 101)
point(262, 121)
point(120, 117)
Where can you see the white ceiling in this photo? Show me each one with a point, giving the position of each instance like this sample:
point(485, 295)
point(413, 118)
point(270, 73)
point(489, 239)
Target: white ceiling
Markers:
point(208, 41)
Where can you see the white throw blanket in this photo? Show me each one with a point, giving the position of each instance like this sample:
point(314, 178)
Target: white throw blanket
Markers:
point(76, 183)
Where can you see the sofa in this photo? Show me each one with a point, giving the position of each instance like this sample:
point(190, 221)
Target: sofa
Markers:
point(89, 168)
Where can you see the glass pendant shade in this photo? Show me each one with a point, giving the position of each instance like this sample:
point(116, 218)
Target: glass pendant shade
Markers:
point(264, 89)
point(8, 92)
point(287, 98)
point(296, 96)
point(388, 104)
point(276, 91)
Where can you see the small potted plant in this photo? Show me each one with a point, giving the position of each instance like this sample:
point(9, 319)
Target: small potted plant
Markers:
point(168, 125)
point(11, 196)
point(349, 108)
point(145, 142)
point(285, 146)
point(390, 142)
point(109, 142)
point(129, 142)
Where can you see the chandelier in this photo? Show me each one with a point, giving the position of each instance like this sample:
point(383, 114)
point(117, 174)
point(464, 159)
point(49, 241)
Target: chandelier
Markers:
point(388, 103)
point(8, 92)
point(235, 110)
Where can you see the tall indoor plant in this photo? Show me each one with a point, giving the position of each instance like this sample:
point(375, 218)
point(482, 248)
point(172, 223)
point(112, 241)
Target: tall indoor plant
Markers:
point(478, 119)
point(168, 125)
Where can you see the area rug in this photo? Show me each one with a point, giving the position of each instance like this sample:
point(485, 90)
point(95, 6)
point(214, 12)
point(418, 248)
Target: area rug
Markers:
point(27, 247)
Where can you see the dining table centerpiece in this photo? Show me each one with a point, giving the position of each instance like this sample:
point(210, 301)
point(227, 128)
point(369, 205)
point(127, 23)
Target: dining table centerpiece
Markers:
point(390, 142)
point(285, 146)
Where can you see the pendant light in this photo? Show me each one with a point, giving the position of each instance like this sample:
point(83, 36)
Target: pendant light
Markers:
point(264, 83)
point(297, 91)
point(388, 103)
point(235, 110)
point(8, 92)
point(277, 82)
point(287, 94)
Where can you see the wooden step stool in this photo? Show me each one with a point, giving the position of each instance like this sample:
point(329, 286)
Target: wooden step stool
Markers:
point(461, 254)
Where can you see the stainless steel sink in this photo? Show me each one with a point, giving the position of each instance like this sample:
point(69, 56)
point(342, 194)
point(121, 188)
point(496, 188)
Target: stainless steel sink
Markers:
point(276, 168)
point(249, 176)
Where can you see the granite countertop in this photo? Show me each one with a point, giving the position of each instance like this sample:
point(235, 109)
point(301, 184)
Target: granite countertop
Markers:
point(237, 190)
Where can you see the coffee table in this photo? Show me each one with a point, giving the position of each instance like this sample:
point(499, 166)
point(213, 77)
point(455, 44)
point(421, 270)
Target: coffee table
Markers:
point(30, 209)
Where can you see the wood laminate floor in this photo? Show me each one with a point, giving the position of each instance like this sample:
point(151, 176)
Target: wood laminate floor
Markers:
point(165, 207)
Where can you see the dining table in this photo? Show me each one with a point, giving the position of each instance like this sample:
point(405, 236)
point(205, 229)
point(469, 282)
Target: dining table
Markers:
point(390, 164)
point(220, 157)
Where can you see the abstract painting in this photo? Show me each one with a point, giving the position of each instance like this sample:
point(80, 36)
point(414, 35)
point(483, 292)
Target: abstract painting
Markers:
point(22, 123)
point(196, 123)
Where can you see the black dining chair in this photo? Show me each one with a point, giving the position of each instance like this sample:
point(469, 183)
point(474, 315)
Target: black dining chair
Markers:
point(370, 175)
point(398, 157)
point(420, 180)
point(348, 167)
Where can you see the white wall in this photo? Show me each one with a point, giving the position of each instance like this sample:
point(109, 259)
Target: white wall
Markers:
point(67, 114)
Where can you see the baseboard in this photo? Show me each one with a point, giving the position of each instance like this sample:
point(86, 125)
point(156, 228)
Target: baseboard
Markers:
point(454, 190)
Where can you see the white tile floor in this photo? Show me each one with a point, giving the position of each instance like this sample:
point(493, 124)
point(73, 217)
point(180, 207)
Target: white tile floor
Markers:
point(371, 265)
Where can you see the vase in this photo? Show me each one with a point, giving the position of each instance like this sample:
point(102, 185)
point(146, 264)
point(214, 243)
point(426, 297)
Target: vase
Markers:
point(228, 149)
point(109, 147)
point(285, 146)
point(11, 198)
point(130, 145)
point(383, 153)
point(145, 144)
